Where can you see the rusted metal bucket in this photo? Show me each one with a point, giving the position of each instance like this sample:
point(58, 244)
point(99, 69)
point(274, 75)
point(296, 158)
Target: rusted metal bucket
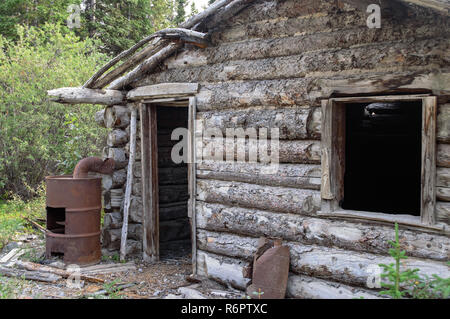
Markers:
point(73, 219)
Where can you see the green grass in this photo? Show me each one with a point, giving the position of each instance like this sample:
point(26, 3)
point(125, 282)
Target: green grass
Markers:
point(11, 216)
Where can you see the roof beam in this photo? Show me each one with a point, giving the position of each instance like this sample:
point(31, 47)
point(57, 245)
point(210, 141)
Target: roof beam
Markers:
point(79, 95)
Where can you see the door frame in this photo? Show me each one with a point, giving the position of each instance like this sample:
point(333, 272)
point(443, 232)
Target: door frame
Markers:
point(171, 95)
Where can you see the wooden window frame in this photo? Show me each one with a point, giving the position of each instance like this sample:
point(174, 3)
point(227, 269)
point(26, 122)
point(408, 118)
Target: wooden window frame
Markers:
point(333, 161)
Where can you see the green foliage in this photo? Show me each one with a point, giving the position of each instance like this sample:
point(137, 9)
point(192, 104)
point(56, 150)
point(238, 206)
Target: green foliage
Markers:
point(31, 13)
point(430, 288)
point(13, 211)
point(393, 273)
point(409, 283)
point(39, 137)
point(194, 10)
point(181, 11)
point(119, 24)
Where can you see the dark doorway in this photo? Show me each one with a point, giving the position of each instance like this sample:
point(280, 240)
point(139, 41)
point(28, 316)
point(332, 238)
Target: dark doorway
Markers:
point(383, 157)
point(174, 227)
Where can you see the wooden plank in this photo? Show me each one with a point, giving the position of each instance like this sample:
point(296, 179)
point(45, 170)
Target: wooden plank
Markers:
point(146, 179)
point(405, 220)
point(333, 154)
point(154, 189)
point(163, 90)
point(77, 95)
point(129, 183)
point(428, 173)
point(192, 180)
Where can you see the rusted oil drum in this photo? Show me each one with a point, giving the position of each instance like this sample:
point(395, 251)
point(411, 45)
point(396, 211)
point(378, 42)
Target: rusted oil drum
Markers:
point(73, 219)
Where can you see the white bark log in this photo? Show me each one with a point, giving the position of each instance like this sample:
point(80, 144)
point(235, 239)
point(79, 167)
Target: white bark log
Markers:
point(355, 236)
point(280, 199)
point(76, 95)
point(129, 184)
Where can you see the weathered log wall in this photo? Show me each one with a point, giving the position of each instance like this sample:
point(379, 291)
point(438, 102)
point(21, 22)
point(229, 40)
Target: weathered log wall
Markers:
point(269, 67)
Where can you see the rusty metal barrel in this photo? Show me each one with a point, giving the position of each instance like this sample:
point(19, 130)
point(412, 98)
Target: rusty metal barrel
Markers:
point(73, 219)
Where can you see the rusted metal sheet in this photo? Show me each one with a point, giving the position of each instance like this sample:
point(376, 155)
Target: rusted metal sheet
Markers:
point(73, 219)
point(270, 271)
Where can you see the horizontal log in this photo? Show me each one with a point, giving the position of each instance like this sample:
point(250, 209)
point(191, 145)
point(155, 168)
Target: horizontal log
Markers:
point(136, 208)
point(116, 137)
point(285, 19)
point(231, 270)
point(310, 90)
point(354, 236)
point(117, 154)
point(163, 90)
point(100, 118)
point(443, 155)
point(173, 193)
point(38, 268)
point(112, 220)
point(117, 116)
point(306, 176)
point(443, 123)
point(293, 123)
point(77, 95)
point(223, 269)
point(117, 179)
point(302, 152)
point(117, 196)
point(443, 177)
point(304, 287)
point(328, 263)
point(172, 211)
point(29, 275)
point(112, 237)
point(280, 199)
point(442, 211)
point(173, 230)
point(443, 194)
point(329, 62)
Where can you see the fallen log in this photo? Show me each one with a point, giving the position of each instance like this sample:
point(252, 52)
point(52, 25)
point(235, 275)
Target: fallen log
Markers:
point(29, 275)
point(108, 268)
point(30, 266)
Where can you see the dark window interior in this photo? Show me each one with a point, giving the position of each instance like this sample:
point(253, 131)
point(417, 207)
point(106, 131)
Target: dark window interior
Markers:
point(383, 157)
point(174, 227)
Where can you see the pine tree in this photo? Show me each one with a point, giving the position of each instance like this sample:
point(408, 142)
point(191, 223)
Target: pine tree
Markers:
point(194, 10)
point(181, 11)
point(121, 23)
point(32, 13)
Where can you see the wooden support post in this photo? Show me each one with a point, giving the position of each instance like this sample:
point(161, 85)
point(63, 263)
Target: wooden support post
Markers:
point(192, 180)
point(129, 184)
point(149, 154)
point(428, 174)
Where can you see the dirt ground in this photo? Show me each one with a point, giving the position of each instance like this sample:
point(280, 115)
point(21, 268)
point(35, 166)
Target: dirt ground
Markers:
point(168, 278)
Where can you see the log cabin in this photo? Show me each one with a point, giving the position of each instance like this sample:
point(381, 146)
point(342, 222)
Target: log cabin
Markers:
point(362, 112)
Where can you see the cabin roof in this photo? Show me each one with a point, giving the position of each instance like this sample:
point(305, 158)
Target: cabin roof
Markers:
point(146, 55)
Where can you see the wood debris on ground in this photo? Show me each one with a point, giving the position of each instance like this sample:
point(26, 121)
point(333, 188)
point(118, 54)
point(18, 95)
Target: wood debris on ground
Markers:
point(42, 278)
